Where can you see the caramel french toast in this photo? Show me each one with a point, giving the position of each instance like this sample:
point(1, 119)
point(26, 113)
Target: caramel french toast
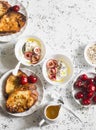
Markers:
point(11, 22)
point(4, 6)
point(13, 82)
point(20, 101)
point(20, 97)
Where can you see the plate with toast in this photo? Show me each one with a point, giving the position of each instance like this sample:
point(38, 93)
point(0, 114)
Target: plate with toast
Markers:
point(13, 19)
point(22, 94)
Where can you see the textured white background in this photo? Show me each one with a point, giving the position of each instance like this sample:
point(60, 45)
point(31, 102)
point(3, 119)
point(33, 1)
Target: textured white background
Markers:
point(65, 26)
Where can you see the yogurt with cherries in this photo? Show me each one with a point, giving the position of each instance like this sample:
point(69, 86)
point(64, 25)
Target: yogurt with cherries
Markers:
point(32, 50)
point(57, 70)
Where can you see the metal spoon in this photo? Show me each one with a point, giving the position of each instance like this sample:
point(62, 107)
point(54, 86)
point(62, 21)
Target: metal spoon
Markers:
point(59, 100)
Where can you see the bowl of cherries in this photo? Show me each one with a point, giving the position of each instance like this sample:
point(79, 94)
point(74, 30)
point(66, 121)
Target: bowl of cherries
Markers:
point(84, 89)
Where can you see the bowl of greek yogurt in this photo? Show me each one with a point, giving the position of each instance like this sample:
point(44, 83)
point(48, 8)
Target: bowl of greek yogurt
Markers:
point(57, 69)
point(90, 54)
point(30, 50)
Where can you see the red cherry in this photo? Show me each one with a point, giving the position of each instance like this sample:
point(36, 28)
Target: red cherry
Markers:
point(23, 80)
point(94, 99)
point(90, 81)
point(32, 79)
point(52, 77)
point(78, 84)
point(79, 95)
point(95, 78)
point(86, 101)
point(83, 77)
point(55, 63)
point(90, 88)
point(28, 55)
point(84, 90)
point(52, 63)
point(52, 71)
point(90, 94)
point(15, 8)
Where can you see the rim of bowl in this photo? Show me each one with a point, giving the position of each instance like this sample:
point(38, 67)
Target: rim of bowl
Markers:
point(85, 54)
point(26, 37)
point(44, 69)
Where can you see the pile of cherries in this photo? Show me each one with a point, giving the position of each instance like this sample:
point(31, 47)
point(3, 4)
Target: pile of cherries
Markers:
point(86, 89)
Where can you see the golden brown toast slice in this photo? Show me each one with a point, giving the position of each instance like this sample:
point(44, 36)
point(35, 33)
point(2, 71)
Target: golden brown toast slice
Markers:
point(4, 6)
point(20, 101)
point(13, 82)
point(11, 22)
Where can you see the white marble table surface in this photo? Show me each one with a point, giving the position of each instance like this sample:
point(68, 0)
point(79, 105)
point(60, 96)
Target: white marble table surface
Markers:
point(65, 26)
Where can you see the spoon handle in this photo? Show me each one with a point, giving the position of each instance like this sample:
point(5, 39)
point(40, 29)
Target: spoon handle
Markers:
point(61, 101)
point(72, 113)
point(15, 70)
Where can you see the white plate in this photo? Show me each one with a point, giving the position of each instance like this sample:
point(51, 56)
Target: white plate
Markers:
point(74, 91)
point(66, 60)
point(40, 90)
point(8, 38)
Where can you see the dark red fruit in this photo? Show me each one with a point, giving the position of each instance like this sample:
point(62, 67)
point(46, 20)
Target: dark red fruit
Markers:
point(23, 80)
point(50, 64)
point(90, 94)
point(15, 8)
point(86, 101)
point(79, 95)
point(83, 77)
point(32, 79)
point(52, 77)
point(52, 71)
point(78, 84)
point(95, 80)
point(90, 81)
point(28, 55)
point(90, 88)
point(94, 99)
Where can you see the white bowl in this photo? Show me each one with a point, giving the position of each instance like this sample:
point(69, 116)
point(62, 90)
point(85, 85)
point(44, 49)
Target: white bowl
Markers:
point(20, 55)
point(40, 90)
point(75, 90)
point(7, 38)
point(66, 61)
point(86, 54)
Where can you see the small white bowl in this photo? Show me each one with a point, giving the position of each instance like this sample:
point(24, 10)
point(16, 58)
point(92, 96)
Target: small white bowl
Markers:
point(66, 61)
point(87, 58)
point(19, 52)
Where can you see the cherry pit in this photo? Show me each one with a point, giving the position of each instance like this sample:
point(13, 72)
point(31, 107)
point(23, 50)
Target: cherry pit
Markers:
point(85, 87)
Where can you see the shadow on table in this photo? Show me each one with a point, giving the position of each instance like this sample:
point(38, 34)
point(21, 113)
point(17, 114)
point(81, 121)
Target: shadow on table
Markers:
point(80, 64)
point(8, 58)
point(28, 121)
point(80, 61)
point(34, 119)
